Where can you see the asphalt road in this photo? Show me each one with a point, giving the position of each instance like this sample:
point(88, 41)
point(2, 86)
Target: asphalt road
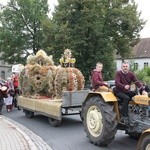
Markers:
point(70, 135)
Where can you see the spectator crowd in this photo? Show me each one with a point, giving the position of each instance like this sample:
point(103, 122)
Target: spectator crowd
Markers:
point(9, 92)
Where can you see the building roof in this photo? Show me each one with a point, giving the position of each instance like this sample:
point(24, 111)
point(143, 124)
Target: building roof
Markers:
point(142, 49)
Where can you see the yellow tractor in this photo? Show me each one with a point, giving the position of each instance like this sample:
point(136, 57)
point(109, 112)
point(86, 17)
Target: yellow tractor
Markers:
point(100, 112)
point(101, 118)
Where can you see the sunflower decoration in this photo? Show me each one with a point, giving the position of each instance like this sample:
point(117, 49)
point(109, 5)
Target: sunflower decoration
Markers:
point(66, 60)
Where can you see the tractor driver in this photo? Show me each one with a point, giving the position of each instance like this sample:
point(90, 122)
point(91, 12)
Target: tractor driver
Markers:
point(123, 80)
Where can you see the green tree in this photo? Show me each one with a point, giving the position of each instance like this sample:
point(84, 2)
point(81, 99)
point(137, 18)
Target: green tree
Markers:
point(144, 75)
point(95, 30)
point(21, 30)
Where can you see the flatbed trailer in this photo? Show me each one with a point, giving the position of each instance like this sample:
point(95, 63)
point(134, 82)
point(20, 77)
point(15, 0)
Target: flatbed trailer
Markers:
point(54, 109)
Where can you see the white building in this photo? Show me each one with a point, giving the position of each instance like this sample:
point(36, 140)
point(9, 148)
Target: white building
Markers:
point(5, 70)
point(141, 55)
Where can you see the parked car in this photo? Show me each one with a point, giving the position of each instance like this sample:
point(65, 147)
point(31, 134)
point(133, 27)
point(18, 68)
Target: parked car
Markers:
point(111, 83)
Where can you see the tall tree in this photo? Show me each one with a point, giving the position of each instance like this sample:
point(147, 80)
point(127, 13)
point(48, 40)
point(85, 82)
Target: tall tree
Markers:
point(21, 30)
point(95, 30)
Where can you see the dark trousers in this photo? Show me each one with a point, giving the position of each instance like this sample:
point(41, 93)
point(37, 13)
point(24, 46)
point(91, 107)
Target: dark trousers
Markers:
point(125, 98)
point(1, 104)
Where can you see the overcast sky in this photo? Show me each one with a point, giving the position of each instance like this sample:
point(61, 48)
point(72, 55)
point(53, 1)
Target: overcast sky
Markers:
point(143, 6)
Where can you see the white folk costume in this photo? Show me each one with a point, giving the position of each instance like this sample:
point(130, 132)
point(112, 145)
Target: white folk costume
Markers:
point(9, 100)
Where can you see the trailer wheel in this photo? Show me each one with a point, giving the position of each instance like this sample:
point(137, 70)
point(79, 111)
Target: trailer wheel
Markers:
point(99, 121)
point(54, 122)
point(29, 114)
point(145, 145)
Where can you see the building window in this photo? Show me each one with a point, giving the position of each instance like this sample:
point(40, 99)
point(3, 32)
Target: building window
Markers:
point(3, 74)
point(135, 66)
point(145, 64)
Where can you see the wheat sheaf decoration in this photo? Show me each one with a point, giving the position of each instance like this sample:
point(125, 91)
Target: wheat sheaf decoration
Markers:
point(40, 77)
point(37, 77)
point(68, 78)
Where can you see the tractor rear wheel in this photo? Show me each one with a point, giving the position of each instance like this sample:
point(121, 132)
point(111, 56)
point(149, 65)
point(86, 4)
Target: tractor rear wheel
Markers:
point(99, 121)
